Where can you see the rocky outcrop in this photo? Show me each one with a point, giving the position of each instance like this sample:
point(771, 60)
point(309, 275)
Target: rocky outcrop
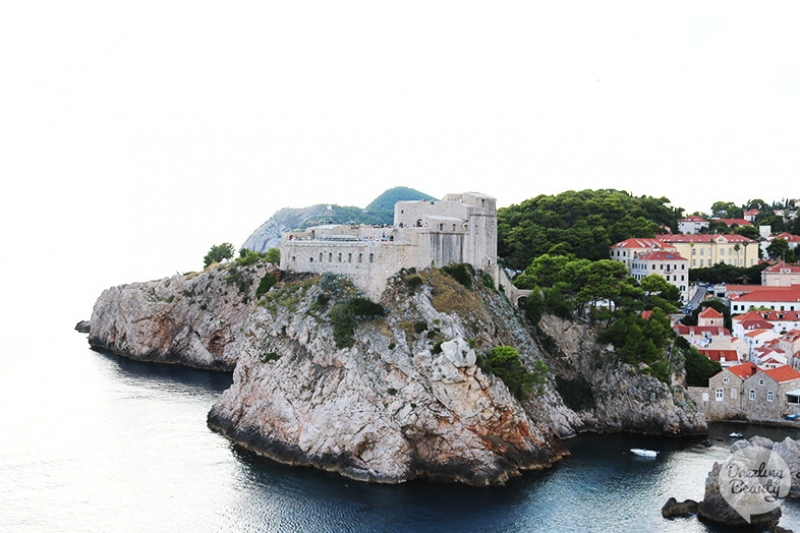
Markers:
point(714, 508)
point(191, 320)
point(404, 401)
point(83, 326)
point(673, 508)
point(624, 398)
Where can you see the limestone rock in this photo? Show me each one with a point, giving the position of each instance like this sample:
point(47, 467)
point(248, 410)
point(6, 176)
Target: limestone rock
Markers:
point(83, 326)
point(714, 508)
point(625, 400)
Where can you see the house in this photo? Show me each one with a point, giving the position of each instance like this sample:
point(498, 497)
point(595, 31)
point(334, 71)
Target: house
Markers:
point(780, 274)
point(761, 297)
point(704, 251)
point(723, 397)
point(692, 224)
point(723, 357)
point(751, 214)
point(730, 222)
point(710, 317)
point(665, 263)
point(749, 321)
point(767, 392)
point(627, 250)
point(791, 239)
point(758, 338)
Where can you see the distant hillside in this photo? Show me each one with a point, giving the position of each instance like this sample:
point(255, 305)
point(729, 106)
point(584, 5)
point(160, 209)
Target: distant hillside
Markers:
point(379, 211)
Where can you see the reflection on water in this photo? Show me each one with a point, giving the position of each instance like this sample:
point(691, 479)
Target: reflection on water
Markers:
point(102, 443)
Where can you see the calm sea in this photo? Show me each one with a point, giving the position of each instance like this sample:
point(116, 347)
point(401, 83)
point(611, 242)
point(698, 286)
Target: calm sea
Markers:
point(91, 442)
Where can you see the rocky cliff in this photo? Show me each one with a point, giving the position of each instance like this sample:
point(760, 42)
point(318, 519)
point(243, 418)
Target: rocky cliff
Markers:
point(396, 397)
point(622, 397)
point(191, 320)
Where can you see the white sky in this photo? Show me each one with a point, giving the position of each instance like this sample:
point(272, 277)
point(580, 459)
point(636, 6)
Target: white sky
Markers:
point(134, 135)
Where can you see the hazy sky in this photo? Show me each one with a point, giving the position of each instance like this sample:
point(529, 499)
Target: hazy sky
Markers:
point(137, 134)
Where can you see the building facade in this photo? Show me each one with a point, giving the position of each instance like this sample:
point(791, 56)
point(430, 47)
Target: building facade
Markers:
point(461, 228)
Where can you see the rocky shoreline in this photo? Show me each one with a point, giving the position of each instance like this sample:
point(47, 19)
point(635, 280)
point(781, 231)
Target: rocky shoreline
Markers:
point(404, 398)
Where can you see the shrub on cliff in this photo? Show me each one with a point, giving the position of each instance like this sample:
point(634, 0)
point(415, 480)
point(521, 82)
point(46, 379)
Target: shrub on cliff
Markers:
point(504, 362)
point(461, 272)
point(266, 283)
point(346, 315)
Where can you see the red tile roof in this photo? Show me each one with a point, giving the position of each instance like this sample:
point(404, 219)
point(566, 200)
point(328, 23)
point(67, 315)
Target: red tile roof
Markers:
point(721, 355)
point(744, 371)
point(682, 329)
point(737, 221)
point(710, 312)
point(769, 294)
point(693, 218)
point(662, 255)
point(783, 373)
point(788, 237)
point(639, 243)
point(780, 265)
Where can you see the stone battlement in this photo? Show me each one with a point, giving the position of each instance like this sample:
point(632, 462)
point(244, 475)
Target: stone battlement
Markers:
point(461, 228)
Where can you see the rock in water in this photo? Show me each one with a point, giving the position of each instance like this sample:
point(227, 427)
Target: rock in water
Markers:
point(674, 508)
point(83, 326)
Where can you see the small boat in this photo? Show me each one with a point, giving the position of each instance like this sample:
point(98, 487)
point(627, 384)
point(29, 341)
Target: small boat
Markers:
point(641, 452)
point(736, 435)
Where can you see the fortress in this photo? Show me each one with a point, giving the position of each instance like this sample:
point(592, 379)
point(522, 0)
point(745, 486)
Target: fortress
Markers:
point(461, 228)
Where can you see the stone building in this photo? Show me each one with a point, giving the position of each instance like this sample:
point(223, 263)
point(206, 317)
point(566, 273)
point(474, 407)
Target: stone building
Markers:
point(723, 398)
point(767, 392)
point(461, 228)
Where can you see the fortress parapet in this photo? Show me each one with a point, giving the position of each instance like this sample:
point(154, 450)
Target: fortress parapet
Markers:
point(461, 228)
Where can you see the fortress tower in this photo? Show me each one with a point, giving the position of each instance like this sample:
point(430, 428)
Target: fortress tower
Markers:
point(461, 228)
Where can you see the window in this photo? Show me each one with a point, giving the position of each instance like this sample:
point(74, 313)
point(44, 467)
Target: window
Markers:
point(719, 395)
point(310, 259)
point(349, 258)
point(340, 257)
point(733, 394)
point(360, 257)
point(371, 258)
point(770, 396)
point(752, 394)
point(726, 379)
point(320, 257)
point(761, 382)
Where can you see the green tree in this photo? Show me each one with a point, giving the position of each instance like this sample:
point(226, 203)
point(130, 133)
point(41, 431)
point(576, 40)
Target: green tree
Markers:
point(778, 248)
point(504, 362)
point(273, 255)
point(218, 253)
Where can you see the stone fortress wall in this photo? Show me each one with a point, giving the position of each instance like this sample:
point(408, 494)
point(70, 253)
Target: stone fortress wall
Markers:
point(461, 228)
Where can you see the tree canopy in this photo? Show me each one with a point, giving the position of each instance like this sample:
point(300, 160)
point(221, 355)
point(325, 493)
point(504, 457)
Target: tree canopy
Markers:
point(218, 252)
point(582, 223)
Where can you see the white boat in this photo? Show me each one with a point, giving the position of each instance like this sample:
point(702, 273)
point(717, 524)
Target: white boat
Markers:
point(736, 435)
point(641, 452)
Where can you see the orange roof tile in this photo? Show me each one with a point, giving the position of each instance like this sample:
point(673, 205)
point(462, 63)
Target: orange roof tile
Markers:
point(710, 312)
point(783, 373)
point(744, 371)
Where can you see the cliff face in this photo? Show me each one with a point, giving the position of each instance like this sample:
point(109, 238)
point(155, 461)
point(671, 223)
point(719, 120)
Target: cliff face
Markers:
point(624, 398)
point(189, 320)
point(389, 399)
point(404, 401)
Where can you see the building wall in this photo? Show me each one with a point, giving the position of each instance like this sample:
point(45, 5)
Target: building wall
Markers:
point(759, 405)
point(704, 255)
point(729, 404)
point(780, 279)
point(459, 229)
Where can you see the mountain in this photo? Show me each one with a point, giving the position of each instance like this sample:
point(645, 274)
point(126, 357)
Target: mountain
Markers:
point(380, 211)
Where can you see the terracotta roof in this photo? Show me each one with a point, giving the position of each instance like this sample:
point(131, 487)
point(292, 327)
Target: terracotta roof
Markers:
point(788, 237)
point(752, 324)
point(682, 329)
point(783, 373)
point(780, 265)
point(639, 243)
point(647, 314)
point(757, 332)
point(693, 218)
point(662, 255)
point(744, 371)
point(688, 237)
point(737, 221)
point(721, 355)
point(710, 312)
point(770, 294)
point(792, 336)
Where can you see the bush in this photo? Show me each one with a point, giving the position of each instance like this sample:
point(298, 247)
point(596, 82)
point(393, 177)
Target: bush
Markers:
point(250, 258)
point(414, 282)
point(218, 253)
point(271, 356)
point(504, 362)
point(267, 282)
point(420, 326)
point(576, 393)
point(461, 272)
point(345, 316)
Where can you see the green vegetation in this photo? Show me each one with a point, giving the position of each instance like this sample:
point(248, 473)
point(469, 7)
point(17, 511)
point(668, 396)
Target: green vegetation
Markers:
point(218, 253)
point(643, 341)
point(576, 393)
point(346, 315)
point(420, 326)
point(462, 273)
point(504, 362)
point(722, 273)
point(273, 255)
point(271, 356)
point(582, 223)
point(698, 367)
point(241, 278)
point(715, 303)
point(267, 282)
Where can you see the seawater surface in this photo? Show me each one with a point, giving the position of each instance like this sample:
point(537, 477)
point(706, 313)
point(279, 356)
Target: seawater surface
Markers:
point(93, 442)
